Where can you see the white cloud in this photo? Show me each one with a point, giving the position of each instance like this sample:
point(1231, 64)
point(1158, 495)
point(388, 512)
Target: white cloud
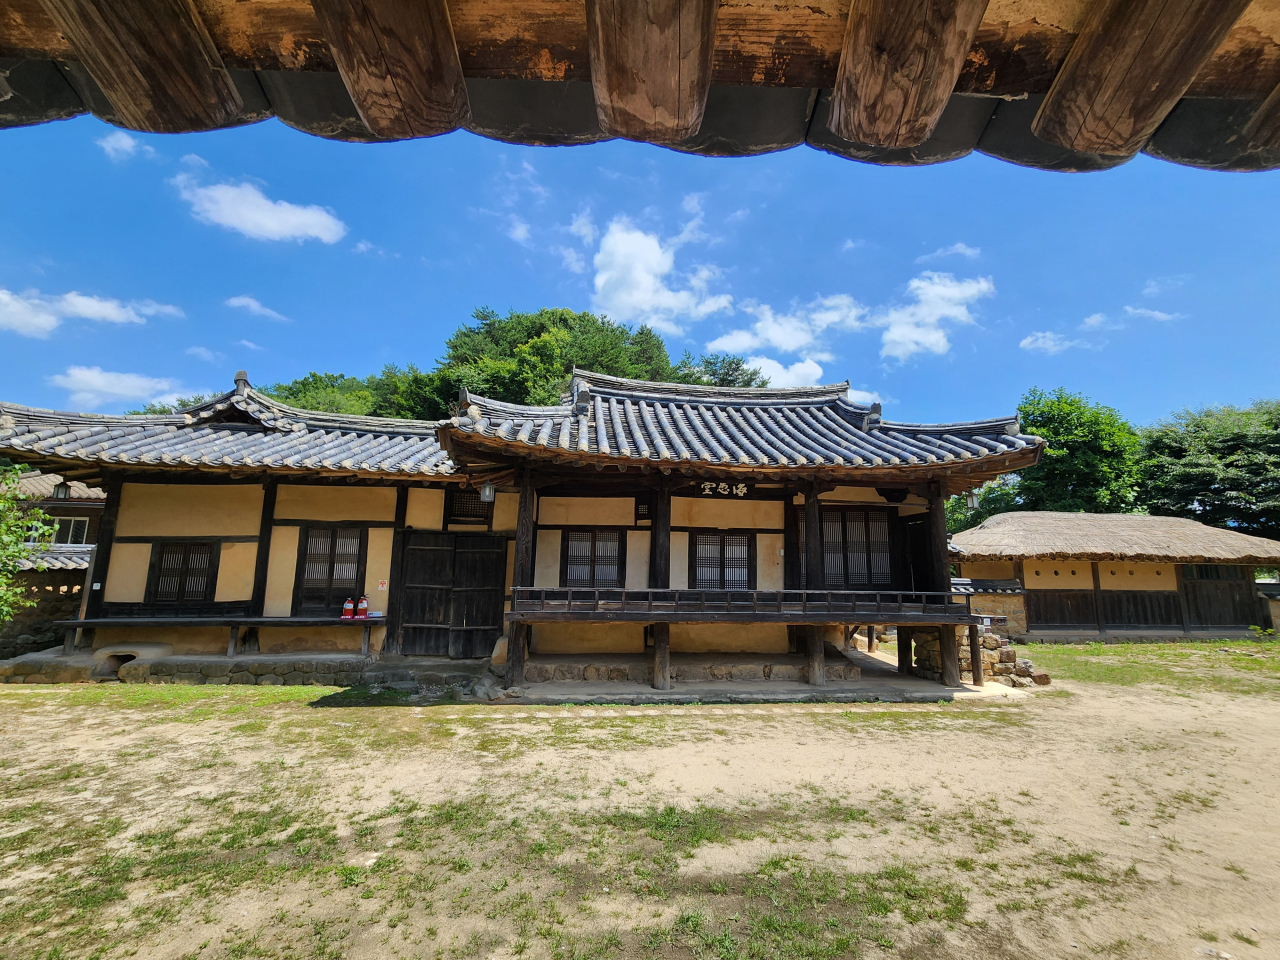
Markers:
point(793, 332)
point(33, 315)
point(571, 259)
point(584, 228)
point(243, 207)
point(1045, 341)
point(1161, 285)
point(960, 249)
point(194, 160)
point(517, 229)
point(91, 387)
point(865, 396)
point(203, 353)
point(738, 216)
point(917, 327)
point(119, 146)
point(634, 274)
point(851, 244)
point(244, 302)
point(803, 373)
point(692, 203)
point(1152, 314)
point(249, 344)
point(364, 246)
point(523, 181)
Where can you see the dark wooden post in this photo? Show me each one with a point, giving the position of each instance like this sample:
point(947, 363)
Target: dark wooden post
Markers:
point(975, 654)
point(522, 576)
point(790, 544)
point(904, 650)
point(817, 655)
point(815, 575)
point(1181, 579)
point(391, 643)
point(102, 558)
point(233, 641)
point(1097, 600)
point(873, 643)
point(660, 539)
point(662, 656)
point(265, 526)
point(949, 651)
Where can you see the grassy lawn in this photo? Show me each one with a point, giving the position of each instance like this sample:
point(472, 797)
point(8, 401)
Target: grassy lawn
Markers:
point(1225, 666)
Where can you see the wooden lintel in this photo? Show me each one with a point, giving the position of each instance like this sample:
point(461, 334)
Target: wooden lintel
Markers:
point(898, 67)
point(1130, 64)
point(399, 62)
point(651, 65)
point(154, 61)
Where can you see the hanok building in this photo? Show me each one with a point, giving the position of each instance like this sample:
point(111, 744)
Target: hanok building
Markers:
point(1073, 576)
point(633, 518)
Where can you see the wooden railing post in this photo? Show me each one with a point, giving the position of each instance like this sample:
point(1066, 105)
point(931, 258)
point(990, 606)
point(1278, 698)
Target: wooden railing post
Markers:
point(522, 576)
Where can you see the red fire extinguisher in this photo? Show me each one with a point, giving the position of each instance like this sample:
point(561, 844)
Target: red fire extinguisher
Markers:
point(362, 609)
point(348, 609)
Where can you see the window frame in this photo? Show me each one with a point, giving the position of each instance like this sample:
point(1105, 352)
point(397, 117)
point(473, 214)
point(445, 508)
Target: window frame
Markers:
point(843, 509)
point(595, 532)
point(331, 609)
point(73, 521)
point(752, 560)
point(154, 570)
point(451, 494)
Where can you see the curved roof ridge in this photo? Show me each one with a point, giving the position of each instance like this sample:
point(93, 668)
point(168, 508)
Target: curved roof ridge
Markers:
point(661, 388)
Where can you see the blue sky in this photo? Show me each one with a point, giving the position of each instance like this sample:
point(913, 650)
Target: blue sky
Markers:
point(136, 266)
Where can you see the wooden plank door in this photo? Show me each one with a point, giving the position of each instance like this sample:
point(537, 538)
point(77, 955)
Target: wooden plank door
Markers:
point(427, 593)
point(1221, 603)
point(479, 584)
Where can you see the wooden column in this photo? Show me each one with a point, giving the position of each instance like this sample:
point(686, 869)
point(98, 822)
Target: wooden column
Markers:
point(660, 539)
point(395, 585)
point(1131, 62)
point(873, 642)
point(399, 62)
point(651, 65)
point(949, 652)
point(817, 655)
point(261, 563)
point(815, 573)
point(662, 656)
point(102, 556)
point(899, 64)
point(1183, 609)
point(939, 554)
point(1097, 600)
point(154, 60)
point(233, 641)
point(522, 576)
point(790, 544)
point(975, 655)
point(904, 650)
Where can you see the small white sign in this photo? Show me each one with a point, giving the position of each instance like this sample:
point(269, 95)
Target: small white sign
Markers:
point(382, 584)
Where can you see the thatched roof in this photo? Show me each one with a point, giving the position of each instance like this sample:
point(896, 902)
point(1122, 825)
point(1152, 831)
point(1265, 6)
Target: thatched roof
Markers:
point(1110, 536)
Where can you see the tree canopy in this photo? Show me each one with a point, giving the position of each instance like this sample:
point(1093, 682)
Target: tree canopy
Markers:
point(519, 358)
point(1218, 465)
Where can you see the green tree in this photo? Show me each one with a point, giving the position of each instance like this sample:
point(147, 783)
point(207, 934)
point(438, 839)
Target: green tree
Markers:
point(1090, 465)
point(23, 529)
point(1217, 465)
point(326, 393)
point(717, 370)
point(155, 408)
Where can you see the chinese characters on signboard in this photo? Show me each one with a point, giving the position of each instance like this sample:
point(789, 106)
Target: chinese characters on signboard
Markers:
point(712, 489)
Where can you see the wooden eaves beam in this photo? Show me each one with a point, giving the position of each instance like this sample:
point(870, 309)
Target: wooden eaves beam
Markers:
point(651, 65)
point(399, 61)
point(1130, 64)
point(898, 66)
point(154, 61)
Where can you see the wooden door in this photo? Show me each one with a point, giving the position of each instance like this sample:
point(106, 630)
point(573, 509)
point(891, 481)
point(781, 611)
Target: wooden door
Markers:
point(1061, 610)
point(1221, 603)
point(479, 583)
point(427, 593)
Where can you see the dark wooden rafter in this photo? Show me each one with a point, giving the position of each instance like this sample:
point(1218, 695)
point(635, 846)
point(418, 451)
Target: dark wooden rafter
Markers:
point(899, 64)
point(1131, 63)
point(651, 65)
point(399, 62)
point(154, 60)
point(1263, 130)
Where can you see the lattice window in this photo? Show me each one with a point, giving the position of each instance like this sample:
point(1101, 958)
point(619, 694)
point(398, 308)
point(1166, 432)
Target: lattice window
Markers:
point(592, 558)
point(184, 571)
point(465, 506)
point(856, 549)
point(332, 568)
point(723, 561)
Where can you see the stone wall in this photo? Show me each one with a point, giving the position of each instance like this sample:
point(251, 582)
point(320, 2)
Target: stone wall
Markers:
point(1000, 662)
point(57, 595)
point(1009, 605)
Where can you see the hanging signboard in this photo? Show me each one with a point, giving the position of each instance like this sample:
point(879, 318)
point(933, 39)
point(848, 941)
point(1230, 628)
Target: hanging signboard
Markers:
point(712, 488)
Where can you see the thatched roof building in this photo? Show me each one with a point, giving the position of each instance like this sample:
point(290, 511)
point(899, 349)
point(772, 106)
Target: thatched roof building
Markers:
point(1111, 536)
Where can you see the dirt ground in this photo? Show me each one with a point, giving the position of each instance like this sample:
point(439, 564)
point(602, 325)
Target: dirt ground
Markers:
point(1099, 817)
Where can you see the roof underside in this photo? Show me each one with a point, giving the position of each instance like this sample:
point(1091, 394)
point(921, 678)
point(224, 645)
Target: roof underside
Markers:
point(523, 74)
point(1110, 536)
point(815, 432)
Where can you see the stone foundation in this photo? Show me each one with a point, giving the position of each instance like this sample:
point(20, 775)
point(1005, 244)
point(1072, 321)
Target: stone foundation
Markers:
point(1000, 662)
point(684, 669)
point(57, 596)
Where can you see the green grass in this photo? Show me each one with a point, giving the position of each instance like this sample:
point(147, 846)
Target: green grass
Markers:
point(1223, 666)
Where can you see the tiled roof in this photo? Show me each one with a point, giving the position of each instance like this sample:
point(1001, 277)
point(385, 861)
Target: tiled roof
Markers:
point(243, 428)
point(58, 556)
point(35, 485)
point(967, 585)
point(630, 420)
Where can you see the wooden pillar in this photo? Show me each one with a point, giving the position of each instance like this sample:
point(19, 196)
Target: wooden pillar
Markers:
point(790, 544)
point(522, 576)
point(873, 642)
point(233, 641)
point(395, 586)
point(265, 526)
point(660, 539)
point(364, 640)
point(904, 650)
point(815, 574)
point(975, 654)
point(817, 656)
point(662, 656)
point(102, 557)
point(1183, 609)
point(949, 652)
point(938, 552)
point(1097, 601)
